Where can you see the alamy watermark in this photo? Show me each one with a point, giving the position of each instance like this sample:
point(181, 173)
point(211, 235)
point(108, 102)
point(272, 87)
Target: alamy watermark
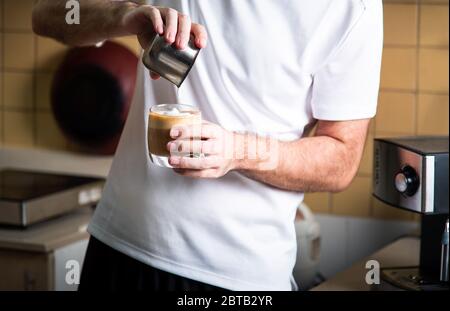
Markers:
point(72, 272)
point(373, 275)
point(73, 12)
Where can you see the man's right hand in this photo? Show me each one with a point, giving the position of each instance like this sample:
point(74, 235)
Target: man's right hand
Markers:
point(146, 20)
point(105, 19)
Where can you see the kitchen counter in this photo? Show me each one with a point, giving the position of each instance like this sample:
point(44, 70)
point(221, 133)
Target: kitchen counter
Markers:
point(55, 161)
point(401, 253)
point(40, 256)
point(49, 235)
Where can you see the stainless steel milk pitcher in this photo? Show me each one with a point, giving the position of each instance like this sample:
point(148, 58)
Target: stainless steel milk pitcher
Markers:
point(169, 62)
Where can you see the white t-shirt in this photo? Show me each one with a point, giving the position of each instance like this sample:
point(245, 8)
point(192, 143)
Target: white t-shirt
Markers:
point(271, 66)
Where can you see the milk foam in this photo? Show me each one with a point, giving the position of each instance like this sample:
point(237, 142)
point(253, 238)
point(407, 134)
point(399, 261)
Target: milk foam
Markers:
point(175, 112)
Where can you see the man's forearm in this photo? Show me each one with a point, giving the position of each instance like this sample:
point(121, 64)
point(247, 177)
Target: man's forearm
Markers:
point(312, 164)
point(100, 20)
point(307, 165)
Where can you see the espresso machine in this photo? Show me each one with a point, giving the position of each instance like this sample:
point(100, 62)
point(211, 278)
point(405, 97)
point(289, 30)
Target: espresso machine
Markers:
point(411, 173)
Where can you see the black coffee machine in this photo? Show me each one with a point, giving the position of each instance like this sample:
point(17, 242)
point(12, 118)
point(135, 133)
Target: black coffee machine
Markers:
point(412, 173)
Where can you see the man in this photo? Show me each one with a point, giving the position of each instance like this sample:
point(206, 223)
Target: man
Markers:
point(273, 68)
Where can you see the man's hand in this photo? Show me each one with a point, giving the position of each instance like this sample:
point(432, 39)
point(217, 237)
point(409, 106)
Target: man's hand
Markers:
point(211, 147)
point(176, 27)
point(146, 20)
point(210, 151)
point(107, 19)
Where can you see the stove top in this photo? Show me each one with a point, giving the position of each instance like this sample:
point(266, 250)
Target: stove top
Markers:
point(27, 197)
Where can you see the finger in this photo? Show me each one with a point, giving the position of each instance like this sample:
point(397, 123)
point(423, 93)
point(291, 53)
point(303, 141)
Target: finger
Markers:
point(156, 18)
point(184, 31)
point(203, 131)
point(207, 147)
point(184, 147)
point(208, 173)
point(195, 163)
point(171, 18)
point(154, 75)
point(200, 34)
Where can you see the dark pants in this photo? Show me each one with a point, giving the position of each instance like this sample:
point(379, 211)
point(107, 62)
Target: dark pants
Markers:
point(106, 269)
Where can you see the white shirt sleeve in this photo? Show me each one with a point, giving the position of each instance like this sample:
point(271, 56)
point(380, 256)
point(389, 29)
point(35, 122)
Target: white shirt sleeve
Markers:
point(346, 87)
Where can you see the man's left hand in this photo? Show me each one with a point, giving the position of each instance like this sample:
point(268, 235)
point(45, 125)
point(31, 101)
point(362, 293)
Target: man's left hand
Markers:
point(203, 151)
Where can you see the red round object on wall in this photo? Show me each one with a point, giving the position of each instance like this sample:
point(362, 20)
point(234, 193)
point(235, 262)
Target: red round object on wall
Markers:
point(91, 95)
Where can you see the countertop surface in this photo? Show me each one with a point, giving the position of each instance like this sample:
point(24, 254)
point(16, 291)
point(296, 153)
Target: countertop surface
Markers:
point(55, 161)
point(49, 235)
point(401, 253)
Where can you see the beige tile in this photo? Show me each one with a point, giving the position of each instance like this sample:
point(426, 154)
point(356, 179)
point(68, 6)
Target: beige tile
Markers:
point(385, 211)
point(1, 89)
point(19, 51)
point(18, 90)
point(18, 128)
point(400, 1)
point(366, 165)
point(434, 25)
point(434, 1)
point(1, 14)
point(43, 88)
point(400, 22)
point(433, 114)
point(17, 14)
point(395, 113)
point(48, 133)
point(318, 202)
point(433, 70)
point(372, 126)
point(1, 49)
point(399, 68)
point(50, 53)
point(1, 124)
point(131, 43)
point(356, 200)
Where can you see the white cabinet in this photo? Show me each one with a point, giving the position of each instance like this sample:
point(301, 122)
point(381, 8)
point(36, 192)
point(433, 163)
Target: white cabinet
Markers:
point(45, 255)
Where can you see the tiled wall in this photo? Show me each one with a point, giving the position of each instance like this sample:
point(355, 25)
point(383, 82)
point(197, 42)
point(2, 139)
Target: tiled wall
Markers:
point(413, 98)
point(27, 64)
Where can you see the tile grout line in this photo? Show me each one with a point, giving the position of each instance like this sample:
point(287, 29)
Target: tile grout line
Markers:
point(2, 46)
point(34, 95)
point(417, 64)
point(436, 3)
point(412, 92)
point(413, 46)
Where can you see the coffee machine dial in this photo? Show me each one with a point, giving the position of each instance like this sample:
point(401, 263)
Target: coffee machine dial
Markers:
point(407, 181)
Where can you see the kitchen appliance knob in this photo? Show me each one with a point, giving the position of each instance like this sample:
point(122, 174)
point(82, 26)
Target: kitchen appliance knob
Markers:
point(407, 181)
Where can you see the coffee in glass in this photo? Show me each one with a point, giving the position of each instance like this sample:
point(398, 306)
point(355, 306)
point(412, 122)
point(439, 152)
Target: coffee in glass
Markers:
point(161, 120)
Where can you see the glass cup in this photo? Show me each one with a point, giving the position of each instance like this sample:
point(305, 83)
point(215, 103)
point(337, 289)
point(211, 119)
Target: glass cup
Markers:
point(161, 119)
